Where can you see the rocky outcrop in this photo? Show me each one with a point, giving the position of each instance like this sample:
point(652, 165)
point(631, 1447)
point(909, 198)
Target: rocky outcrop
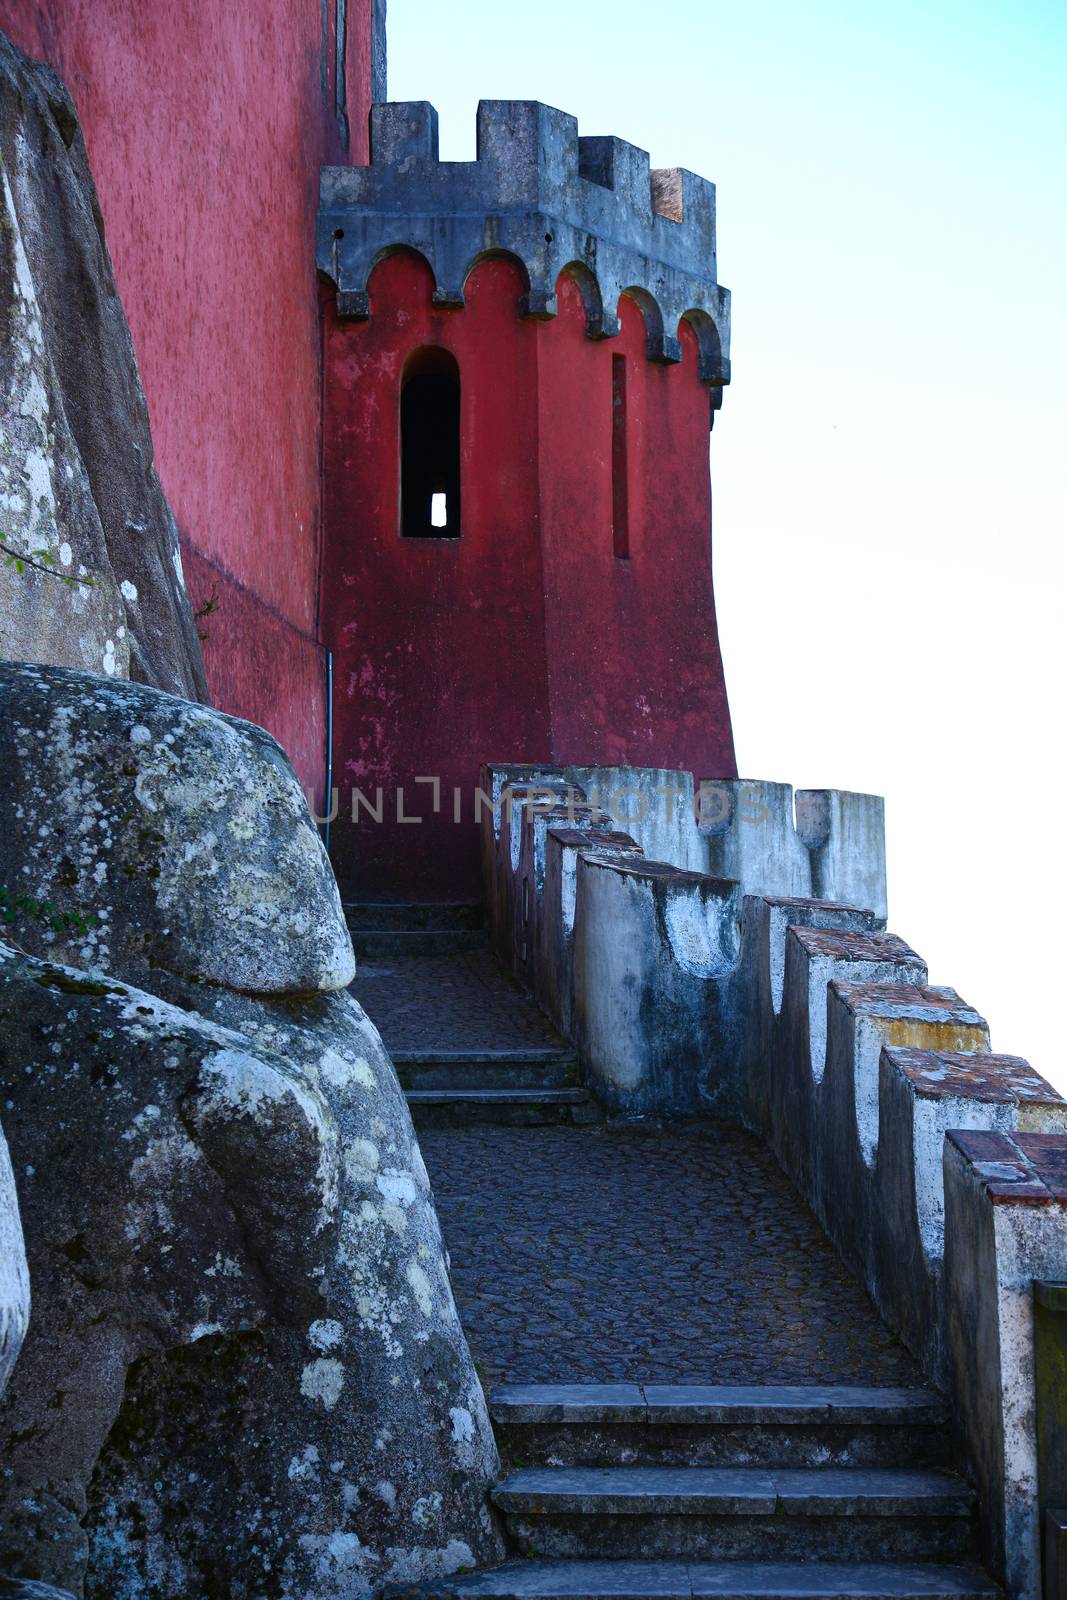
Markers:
point(14, 1274)
point(27, 1589)
point(79, 495)
point(245, 1372)
point(169, 837)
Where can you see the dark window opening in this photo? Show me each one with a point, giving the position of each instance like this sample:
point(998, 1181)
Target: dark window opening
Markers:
point(429, 447)
point(620, 491)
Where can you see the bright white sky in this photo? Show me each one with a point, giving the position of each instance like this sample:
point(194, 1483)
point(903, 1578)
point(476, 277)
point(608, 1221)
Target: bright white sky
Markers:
point(889, 463)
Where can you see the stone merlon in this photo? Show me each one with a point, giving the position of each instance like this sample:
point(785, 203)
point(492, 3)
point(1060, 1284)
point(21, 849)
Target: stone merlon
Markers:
point(541, 194)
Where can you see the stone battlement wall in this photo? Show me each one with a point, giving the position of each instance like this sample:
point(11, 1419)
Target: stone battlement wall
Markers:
point(935, 1165)
point(818, 843)
point(553, 200)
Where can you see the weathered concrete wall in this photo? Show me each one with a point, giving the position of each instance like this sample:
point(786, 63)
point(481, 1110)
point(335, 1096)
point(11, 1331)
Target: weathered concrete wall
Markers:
point(869, 1069)
point(206, 124)
point(517, 867)
point(802, 1019)
point(250, 1261)
point(739, 829)
point(870, 1066)
point(820, 844)
point(844, 833)
point(1006, 1224)
point(80, 502)
point(534, 824)
point(554, 946)
point(647, 940)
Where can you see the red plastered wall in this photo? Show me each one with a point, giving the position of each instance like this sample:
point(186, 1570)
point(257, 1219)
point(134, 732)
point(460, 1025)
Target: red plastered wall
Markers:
point(206, 124)
point(635, 671)
point(526, 639)
point(439, 645)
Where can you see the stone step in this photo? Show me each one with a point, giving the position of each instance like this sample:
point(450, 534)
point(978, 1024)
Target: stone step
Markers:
point(725, 1580)
point(486, 1069)
point(734, 1491)
point(741, 1425)
point(401, 944)
point(375, 916)
point(782, 1513)
point(714, 1403)
point(450, 1108)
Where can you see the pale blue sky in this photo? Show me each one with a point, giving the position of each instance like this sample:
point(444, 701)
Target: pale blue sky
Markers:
point(889, 463)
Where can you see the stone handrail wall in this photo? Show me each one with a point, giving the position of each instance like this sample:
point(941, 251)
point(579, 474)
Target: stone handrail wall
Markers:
point(937, 1167)
point(826, 844)
point(740, 829)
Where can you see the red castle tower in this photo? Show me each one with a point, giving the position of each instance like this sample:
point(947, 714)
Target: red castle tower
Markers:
point(520, 366)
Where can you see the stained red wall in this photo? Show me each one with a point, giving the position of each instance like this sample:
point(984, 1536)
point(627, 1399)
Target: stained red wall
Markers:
point(439, 645)
point(206, 123)
point(635, 672)
point(527, 639)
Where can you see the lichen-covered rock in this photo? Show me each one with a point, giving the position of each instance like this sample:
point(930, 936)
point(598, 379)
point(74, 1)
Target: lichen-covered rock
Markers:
point(27, 1589)
point(378, 1474)
point(245, 1373)
point(77, 481)
point(74, 612)
point(176, 1184)
point(14, 1274)
point(183, 833)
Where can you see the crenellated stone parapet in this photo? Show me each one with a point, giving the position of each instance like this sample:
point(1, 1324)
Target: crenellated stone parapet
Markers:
point(552, 200)
point(814, 844)
point(936, 1166)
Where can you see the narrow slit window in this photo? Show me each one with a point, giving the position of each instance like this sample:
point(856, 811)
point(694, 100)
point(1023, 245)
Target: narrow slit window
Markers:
point(429, 447)
point(620, 492)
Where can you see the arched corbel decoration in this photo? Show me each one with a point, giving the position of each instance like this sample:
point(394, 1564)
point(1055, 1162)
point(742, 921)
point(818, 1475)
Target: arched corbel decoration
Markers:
point(527, 301)
point(599, 324)
point(661, 346)
point(709, 346)
point(355, 304)
point(712, 369)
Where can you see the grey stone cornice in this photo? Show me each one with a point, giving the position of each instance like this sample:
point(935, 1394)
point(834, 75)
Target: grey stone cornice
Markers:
point(549, 199)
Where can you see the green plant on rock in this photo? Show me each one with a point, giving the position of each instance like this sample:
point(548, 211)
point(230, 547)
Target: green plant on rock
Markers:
point(20, 907)
point(208, 609)
point(40, 561)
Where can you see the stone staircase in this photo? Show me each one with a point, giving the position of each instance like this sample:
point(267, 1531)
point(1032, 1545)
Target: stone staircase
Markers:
point(692, 1472)
point(518, 1088)
point(675, 1491)
point(639, 1490)
point(513, 1084)
point(400, 929)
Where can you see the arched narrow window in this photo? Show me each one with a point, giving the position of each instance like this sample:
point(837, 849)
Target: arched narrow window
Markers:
point(429, 446)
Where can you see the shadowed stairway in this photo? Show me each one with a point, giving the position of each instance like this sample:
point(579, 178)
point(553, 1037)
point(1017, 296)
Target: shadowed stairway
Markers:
point(690, 1393)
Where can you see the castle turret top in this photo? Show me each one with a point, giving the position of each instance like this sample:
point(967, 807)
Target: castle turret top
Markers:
point(548, 198)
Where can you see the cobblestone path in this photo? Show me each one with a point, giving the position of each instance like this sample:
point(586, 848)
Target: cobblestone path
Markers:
point(679, 1254)
point(618, 1252)
point(450, 1002)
